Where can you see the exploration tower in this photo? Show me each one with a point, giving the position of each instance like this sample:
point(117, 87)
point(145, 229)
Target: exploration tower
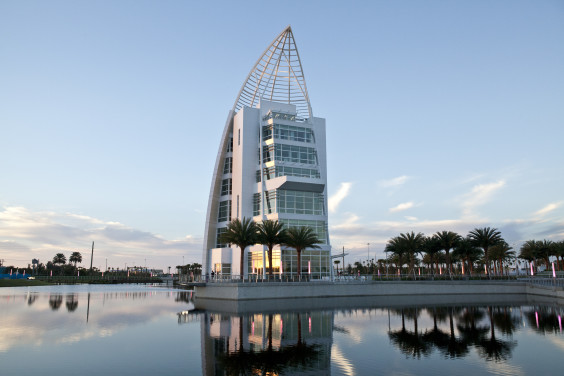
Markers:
point(271, 164)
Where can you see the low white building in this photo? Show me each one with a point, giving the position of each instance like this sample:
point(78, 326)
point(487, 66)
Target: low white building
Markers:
point(271, 164)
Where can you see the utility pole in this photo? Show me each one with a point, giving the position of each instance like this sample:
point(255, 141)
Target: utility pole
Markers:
point(91, 258)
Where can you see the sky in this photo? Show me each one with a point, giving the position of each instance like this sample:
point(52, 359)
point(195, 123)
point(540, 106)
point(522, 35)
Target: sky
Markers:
point(440, 116)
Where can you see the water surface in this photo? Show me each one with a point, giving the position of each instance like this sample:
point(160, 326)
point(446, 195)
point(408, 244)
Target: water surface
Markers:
point(139, 330)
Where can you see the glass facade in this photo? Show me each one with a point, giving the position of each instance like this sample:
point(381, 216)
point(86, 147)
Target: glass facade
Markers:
point(276, 171)
point(319, 227)
point(256, 204)
point(218, 243)
point(294, 202)
point(279, 115)
point(224, 214)
point(314, 263)
point(289, 153)
point(226, 187)
point(287, 132)
point(228, 165)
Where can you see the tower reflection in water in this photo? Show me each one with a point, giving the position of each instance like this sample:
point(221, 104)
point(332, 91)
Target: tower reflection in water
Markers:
point(302, 342)
point(263, 343)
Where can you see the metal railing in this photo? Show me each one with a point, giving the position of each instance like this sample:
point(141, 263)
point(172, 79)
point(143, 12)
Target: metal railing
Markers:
point(545, 281)
point(253, 278)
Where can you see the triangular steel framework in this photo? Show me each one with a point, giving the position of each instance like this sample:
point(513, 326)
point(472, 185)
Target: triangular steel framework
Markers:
point(277, 76)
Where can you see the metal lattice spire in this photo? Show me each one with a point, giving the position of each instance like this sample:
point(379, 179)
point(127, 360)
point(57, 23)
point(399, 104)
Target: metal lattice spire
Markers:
point(278, 77)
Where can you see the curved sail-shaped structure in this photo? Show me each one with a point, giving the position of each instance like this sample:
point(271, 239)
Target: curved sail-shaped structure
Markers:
point(277, 77)
point(271, 164)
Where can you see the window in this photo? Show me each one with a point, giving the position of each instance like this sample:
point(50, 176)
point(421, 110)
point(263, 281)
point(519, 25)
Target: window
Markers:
point(228, 165)
point(237, 206)
point(287, 132)
point(230, 145)
point(224, 214)
point(256, 204)
point(218, 243)
point(319, 227)
point(289, 153)
point(257, 175)
point(298, 202)
point(282, 116)
point(274, 172)
point(239, 136)
point(226, 187)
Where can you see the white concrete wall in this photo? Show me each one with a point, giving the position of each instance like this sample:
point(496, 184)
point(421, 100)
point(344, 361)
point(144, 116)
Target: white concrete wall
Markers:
point(257, 291)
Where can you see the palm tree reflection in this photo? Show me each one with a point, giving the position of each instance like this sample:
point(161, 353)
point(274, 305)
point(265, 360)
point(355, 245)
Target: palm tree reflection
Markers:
point(410, 343)
point(544, 320)
point(435, 336)
point(456, 347)
point(72, 302)
point(492, 348)
point(55, 301)
point(464, 331)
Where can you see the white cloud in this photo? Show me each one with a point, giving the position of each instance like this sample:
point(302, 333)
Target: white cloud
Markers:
point(28, 234)
point(410, 218)
point(394, 182)
point(401, 207)
point(548, 208)
point(480, 195)
point(342, 192)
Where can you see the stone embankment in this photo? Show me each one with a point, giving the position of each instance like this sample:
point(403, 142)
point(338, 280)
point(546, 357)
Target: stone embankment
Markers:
point(237, 296)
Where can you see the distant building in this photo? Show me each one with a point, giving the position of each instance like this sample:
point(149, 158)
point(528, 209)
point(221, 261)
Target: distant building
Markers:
point(271, 164)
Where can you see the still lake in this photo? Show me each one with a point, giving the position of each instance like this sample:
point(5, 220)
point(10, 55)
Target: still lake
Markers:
point(143, 330)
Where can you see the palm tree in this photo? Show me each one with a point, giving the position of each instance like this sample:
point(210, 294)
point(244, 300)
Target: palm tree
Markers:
point(396, 247)
point(75, 257)
point(529, 251)
point(485, 238)
point(447, 241)
point(544, 251)
point(558, 250)
point(270, 233)
point(301, 238)
point(431, 248)
point(502, 252)
point(59, 259)
point(412, 243)
point(467, 252)
point(242, 234)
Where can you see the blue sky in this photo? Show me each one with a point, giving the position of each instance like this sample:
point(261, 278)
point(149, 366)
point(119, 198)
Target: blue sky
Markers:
point(440, 116)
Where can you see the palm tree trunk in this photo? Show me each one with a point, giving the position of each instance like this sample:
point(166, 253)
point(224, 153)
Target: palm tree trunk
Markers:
point(487, 262)
point(449, 268)
point(299, 251)
point(270, 261)
point(242, 263)
point(270, 332)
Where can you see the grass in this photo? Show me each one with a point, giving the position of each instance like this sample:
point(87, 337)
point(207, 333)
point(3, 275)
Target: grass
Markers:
point(21, 282)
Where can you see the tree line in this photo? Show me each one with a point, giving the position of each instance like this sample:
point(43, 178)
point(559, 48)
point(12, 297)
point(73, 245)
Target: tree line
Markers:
point(483, 246)
point(246, 232)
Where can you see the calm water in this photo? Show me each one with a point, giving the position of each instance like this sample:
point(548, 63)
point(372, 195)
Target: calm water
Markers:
point(138, 330)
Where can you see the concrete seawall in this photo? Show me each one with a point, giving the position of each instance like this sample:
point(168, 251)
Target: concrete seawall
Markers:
point(239, 297)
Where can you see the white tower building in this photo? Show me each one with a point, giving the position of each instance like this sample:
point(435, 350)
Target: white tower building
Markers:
point(271, 164)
